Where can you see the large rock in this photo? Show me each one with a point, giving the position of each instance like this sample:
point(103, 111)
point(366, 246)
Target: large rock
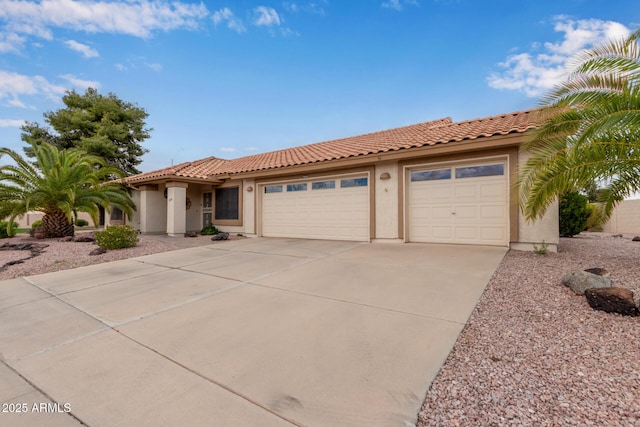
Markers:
point(98, 251)
point(580, 281)
point(612, 300)
point(84, 237)
point(598, 271)
point(636, 239)
point(220, 236)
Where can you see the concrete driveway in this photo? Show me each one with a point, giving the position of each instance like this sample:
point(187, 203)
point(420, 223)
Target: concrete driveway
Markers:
point(260, 332)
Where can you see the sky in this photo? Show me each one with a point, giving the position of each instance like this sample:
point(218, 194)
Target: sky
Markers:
point(234, 78)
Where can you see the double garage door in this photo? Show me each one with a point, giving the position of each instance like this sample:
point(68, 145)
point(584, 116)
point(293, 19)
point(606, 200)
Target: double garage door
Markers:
point(465, 204)
point(459, 204)
point(333, 208)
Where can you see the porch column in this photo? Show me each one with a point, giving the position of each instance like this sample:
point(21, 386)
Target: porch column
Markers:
point(176, 208)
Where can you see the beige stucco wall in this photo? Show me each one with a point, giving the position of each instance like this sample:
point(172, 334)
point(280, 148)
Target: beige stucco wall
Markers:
point(27, 220)
point(625, 219)
point(194, 214)
point(249, 207)
point(152, 211)
point(534, 233)
point(386, 201)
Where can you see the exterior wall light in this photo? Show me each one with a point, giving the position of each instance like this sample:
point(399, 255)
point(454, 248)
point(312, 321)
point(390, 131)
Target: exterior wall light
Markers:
point(249, 189)
point(385, 175)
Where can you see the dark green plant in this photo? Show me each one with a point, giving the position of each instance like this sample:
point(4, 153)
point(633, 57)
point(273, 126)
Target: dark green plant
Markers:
point(573, 213)
point(117, 237)
point(36, 223)
point(6, 231)
point(596, 217)
point(209, 230)
point(82, 222)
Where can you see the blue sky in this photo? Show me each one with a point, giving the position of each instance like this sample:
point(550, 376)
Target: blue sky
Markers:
point(232, 78)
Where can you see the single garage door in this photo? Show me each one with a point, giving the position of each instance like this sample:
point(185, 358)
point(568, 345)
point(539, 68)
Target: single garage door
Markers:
point(335, 208)
point(459, 204)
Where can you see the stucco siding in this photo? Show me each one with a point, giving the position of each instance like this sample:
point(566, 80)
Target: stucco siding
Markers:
point(625, 219)
point(534, 233)
point(386, 200)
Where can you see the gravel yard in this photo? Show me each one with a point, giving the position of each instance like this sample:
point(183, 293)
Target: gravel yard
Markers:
point(64, 255)
point(535, 354)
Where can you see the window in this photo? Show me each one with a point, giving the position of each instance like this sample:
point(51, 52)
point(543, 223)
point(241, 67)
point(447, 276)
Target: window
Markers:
point(227, 203)
point(116, 214)
point(206, 200)
point(273, 189)
point(431, 175)
point(297, 187)
point(323, 185)
point(478, 171)
point(353, 182)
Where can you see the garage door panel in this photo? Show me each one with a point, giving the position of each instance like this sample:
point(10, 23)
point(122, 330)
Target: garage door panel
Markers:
point(461, 209)
point(326, 213)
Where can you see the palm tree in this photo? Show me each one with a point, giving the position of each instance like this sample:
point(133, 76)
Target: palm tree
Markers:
point(590, 131)
point(59, 183)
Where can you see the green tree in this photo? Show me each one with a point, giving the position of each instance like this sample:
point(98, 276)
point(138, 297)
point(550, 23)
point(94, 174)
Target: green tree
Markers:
point(591, 131)
point(573, 214)
point(59, 183)
point(104, 126)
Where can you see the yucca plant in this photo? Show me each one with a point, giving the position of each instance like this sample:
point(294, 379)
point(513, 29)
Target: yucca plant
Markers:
point(591, 131)
point(59, 183)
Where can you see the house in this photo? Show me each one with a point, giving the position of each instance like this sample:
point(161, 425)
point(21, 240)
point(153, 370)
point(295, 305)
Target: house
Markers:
point(439, 181)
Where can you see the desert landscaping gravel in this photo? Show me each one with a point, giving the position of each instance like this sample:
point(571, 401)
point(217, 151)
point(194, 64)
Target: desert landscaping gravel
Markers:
point(61, 255)
point(535, 354)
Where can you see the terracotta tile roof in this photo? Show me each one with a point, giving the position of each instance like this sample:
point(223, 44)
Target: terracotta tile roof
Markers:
point(199, 169)
point(442, 131)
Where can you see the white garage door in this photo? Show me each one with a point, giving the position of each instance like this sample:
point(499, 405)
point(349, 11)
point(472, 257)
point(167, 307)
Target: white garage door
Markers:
point(328, 208)
point(459, 204)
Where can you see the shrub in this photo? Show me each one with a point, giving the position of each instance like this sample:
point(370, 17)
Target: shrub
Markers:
point(573, 213)
point(209, 230)
point(117, 237)
point(82, 222)
point(3, 229)
point(596, 217)
point(36, 223)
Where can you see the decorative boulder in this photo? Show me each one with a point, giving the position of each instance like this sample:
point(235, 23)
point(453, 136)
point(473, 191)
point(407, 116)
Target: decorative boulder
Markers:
point(98, 251)
point(85, 237)
point(66, 239)
point(191, 234)
point(220, 236)
point(580, 281)
point(612, 300)
point(598, 271)
point(636, 239)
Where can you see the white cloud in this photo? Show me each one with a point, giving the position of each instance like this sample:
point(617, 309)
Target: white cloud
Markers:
point(80, 83)
point(398, 4)
point(226, 15)
point(537, 73)
point(155, 67)
point(228, 150)
point(139, 18)
point(309, 7)
point(14, 86)
point(120, 67)
point(85, 50)
point(266, 16)
point(11, 42)
point(11, 123)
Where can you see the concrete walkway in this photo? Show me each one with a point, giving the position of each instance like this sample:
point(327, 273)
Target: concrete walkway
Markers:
point(260, 332)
